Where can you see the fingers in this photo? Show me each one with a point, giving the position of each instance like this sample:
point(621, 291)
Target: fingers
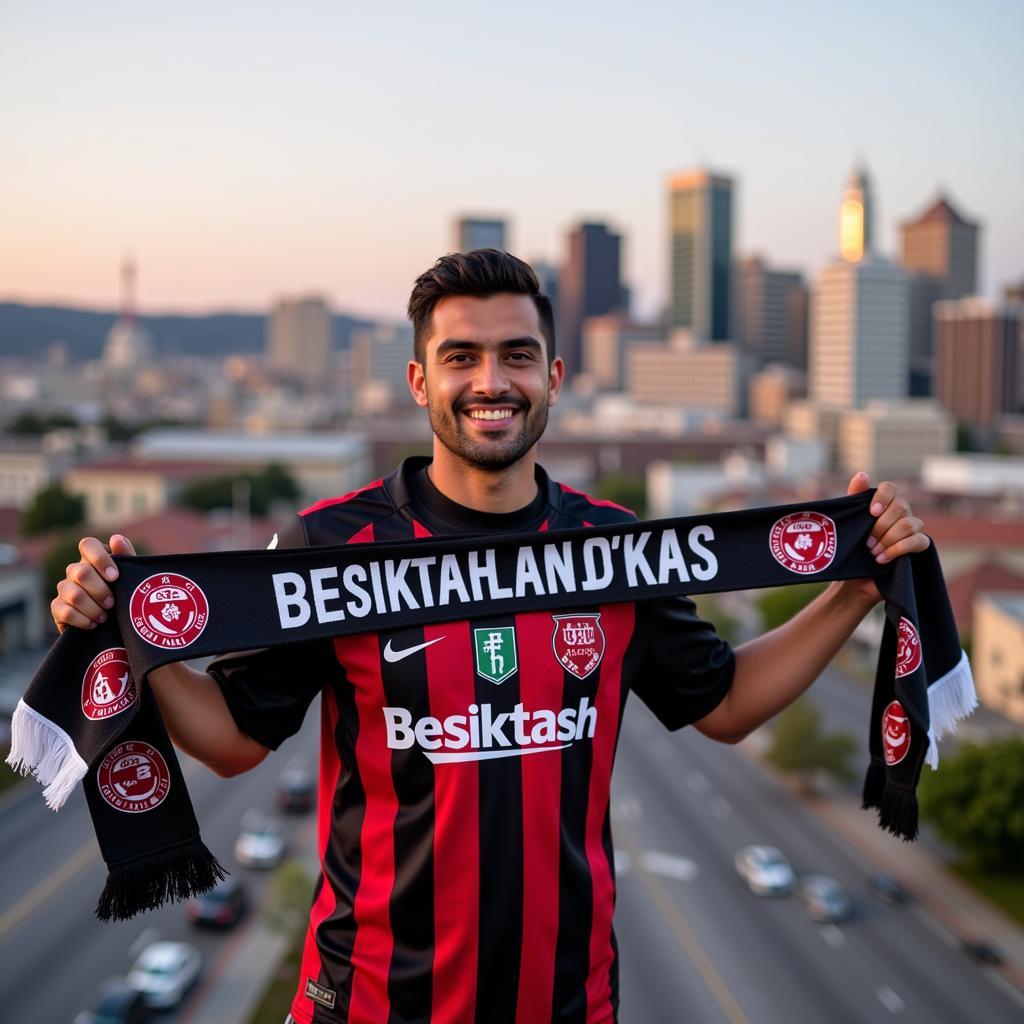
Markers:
point(859, 482)
point(84, 596)
point(896, 531)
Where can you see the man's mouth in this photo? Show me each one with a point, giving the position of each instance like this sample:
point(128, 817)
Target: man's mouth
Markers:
point(492, 415)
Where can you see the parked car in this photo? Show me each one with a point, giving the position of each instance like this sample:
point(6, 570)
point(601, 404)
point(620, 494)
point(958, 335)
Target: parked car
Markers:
point(295, 788)
point(981, 952)
point(825, 899)
point(221, 907)
point(164, 972)
point(116, 1003)
point(888, 890)
point(261, 843)
point(765, 870)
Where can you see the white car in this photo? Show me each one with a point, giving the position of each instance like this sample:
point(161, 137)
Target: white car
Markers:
point(261, 843)
point(765, 870)
point(164, 972)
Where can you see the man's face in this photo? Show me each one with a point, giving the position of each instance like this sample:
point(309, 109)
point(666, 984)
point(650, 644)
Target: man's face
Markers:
point(485, 379)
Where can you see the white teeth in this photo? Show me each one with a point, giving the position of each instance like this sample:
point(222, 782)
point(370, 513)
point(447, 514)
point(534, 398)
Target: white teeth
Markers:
point(491, 414)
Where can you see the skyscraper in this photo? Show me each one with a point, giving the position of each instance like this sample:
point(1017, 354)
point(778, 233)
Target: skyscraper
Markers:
point(939, 250)
point(479, 233)
point(700, 255)
point(860, 315)
point(942, 244)
point(768, 324)
point(300, 339)
point(590, 285)
point(856, 217)
point(979, 360)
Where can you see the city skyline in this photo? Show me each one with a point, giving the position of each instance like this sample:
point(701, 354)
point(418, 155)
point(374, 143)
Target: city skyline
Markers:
point(176, 138)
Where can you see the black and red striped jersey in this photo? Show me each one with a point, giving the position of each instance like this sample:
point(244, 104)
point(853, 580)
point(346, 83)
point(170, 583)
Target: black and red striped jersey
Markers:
point(466, 862)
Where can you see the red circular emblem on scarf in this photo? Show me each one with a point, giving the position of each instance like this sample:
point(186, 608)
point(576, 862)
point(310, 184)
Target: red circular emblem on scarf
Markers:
point(804, 542)
point(895, 733)
point(169, 610)
point(133, 777)
point(578, 643)
point(908, 649)
point(108, 687)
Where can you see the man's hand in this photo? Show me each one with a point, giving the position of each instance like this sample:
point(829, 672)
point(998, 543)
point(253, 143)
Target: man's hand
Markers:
point(896, 531)
point(84, 596)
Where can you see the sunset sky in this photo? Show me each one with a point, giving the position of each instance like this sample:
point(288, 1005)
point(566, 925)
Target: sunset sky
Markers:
point(242, 151)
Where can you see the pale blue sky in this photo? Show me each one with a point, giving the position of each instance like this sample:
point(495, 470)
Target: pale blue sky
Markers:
point(245, 150)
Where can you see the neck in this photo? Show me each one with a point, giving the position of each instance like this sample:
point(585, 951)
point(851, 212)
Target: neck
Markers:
point(506, 490)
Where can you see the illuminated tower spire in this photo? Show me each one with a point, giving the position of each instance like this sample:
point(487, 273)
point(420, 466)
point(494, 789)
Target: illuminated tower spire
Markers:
point(855, 217)
point(128, 290)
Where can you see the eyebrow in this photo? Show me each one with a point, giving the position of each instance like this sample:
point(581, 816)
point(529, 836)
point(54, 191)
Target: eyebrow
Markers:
point(459, 344)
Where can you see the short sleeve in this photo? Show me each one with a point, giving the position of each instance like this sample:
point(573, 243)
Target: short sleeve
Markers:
point(268, 690)
point(687, 668)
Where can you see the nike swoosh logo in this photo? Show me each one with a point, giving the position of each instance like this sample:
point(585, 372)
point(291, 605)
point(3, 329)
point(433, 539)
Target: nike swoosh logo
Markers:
point(391, 655)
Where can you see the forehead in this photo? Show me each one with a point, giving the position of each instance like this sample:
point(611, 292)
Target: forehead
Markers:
point(494, 319)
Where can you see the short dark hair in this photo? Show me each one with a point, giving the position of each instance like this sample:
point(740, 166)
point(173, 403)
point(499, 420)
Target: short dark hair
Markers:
point(482, 273)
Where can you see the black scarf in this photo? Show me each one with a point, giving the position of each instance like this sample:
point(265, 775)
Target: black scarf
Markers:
point(88, 713)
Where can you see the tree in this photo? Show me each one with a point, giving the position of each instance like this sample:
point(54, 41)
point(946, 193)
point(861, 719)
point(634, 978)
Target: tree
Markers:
point(32, 424)
point(802, 748)
point(287, 908)
point(780, 604)
point(51, 509)
point(269, 485)
point(976, 802)
point(624, 489)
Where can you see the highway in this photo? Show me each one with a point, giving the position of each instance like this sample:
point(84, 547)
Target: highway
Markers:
point(696, 947)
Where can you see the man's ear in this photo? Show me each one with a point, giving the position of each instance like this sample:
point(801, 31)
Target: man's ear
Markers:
point(417, 382)
point(556, 376)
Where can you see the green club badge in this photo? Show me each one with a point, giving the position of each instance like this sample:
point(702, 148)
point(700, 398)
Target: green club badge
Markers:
point(495, 651)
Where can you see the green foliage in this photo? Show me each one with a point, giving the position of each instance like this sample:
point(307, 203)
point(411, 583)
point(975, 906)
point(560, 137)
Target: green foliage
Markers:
point(271, 484)
point(287, 909)
point(119, 430)
point(62, 553)
point(32, 424)
point(710, 608)
point(801, 747)
point(976, 802)
point(51, 509)
point(624, 489)
point(780, 604)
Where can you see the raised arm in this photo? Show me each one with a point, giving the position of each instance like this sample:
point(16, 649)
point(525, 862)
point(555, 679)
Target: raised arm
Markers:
point(774, 669)
point(193, 707)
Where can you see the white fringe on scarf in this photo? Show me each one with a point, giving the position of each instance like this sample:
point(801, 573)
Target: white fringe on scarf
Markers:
point(46, 750)
point(950, 699)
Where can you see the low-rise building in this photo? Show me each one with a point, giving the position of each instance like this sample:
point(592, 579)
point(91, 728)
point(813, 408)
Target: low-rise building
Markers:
point(997, 657)
point(892, 439)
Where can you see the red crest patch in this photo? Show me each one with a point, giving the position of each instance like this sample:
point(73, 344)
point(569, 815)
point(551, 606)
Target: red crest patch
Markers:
point(908, 649)
point(133, 777)
point(895, 733)
point(169, 610)
point(108, 687)
point(803, 542)
point(578, 643)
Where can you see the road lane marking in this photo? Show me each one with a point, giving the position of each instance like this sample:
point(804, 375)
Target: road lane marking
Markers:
point(147, 936)
point(47, 887)
point(697, 782)
point(623, 863)
point(889, 999)
point(832, 935)
point(720, 807)
point(700, 959)
point(679, 869)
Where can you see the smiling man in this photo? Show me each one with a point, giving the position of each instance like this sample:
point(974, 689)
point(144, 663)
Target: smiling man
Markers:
point(461, 880)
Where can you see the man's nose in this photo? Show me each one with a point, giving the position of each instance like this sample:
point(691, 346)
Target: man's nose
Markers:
point(491, 377)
